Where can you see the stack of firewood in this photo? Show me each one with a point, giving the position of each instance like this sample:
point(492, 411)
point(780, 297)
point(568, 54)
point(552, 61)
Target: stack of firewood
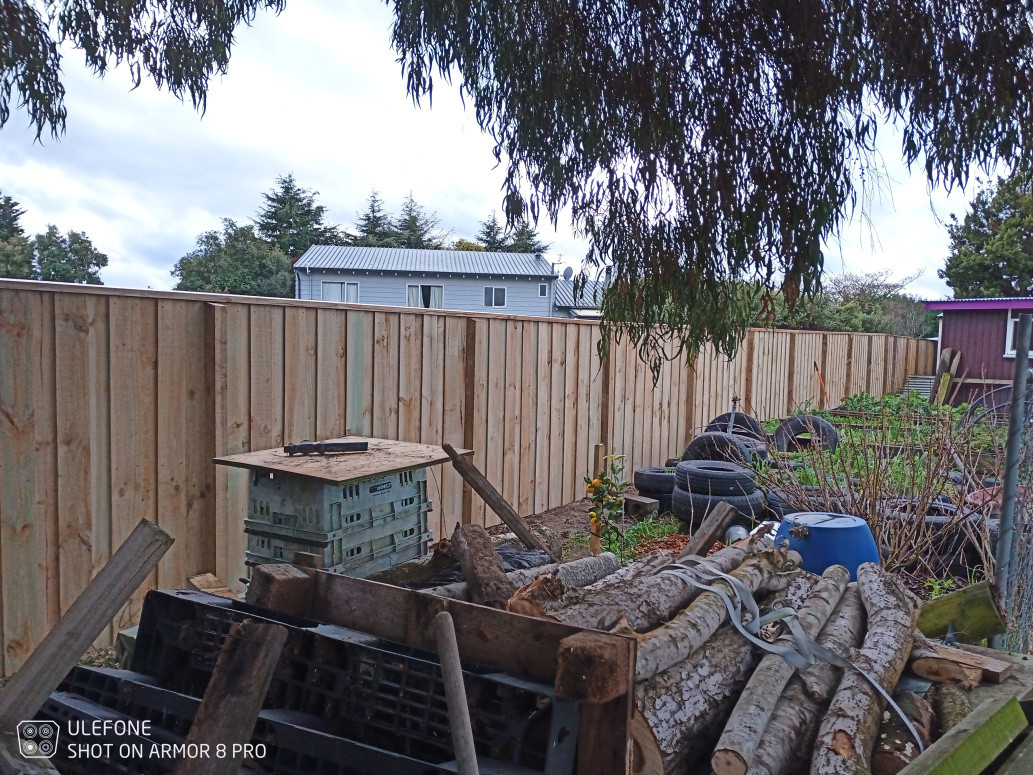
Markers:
point(707, 699)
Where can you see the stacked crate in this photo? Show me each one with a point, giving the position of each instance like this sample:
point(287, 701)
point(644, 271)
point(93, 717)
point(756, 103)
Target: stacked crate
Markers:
point(358, 528)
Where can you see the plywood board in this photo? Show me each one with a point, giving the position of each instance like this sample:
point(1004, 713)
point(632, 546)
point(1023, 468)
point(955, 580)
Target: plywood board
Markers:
point(384, 456)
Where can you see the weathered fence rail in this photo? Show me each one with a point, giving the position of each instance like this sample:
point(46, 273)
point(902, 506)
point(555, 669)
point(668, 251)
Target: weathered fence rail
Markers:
point(113, 402)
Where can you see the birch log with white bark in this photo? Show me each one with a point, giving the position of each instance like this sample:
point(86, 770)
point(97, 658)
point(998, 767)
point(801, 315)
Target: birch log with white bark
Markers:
point(847, 734)
point(735, 748)
point(674, 641)
point(645, 601)
point(789, 736)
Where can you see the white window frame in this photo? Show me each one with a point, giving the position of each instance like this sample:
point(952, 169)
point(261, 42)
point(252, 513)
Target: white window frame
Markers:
point(344, 290)
point(543, 290)
point(505, 295)
point(420, 286)
point(1009, 334)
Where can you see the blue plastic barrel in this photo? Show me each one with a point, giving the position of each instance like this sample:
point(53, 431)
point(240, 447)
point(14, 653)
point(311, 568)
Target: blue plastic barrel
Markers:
point(824, 539)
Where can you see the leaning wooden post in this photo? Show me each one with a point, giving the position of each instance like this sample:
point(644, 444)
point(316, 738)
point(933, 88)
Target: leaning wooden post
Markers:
point(227, 714)
point(495, 501)
point(84, 621)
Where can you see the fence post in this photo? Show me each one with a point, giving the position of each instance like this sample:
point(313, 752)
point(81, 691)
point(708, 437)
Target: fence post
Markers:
point(791, 375)
point(469, 396)
point(1016, 423)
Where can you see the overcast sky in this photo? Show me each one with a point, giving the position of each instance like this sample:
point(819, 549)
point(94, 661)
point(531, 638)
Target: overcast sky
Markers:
point(317, 92)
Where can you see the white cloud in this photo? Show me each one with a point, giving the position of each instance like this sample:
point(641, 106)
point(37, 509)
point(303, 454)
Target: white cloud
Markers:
point(317, 92)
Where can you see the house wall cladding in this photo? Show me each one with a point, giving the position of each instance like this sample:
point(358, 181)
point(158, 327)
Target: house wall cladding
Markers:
point(113, 402)
point(459, 293)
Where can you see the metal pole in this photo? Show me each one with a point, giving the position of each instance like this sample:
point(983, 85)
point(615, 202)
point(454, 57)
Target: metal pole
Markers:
point(1016, 423)
point(455, 695)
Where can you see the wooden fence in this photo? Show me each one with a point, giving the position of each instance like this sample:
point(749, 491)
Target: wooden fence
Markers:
point(113, 402)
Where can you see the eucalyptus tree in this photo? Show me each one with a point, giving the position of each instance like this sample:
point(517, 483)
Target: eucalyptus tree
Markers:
point(707, 149)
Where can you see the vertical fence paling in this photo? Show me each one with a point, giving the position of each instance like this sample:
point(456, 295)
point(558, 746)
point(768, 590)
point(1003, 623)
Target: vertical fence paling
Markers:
point(112, 404)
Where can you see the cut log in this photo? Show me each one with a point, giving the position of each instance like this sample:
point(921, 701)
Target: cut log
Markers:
point(847, 734)
point(990, 669)
point(895, 748)
point(735, 748)
point(789, 736)
point(974, 611)
point(227, 713)
point(950, 704)
point(710, 531)
point(672, 642)
point(481, 566)
point(927, 662)
point(495, 501)
point(573, 574)
point(644, 602)
point(684, 708)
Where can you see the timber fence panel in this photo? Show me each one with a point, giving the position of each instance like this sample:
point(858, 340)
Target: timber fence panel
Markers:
point(113, 403)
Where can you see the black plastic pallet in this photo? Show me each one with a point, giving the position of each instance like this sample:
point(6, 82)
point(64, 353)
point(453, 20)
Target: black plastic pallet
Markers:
point(358, 688)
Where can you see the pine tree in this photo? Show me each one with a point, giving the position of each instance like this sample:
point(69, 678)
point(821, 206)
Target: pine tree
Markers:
point(492, 235)
point(417, 229)
point(525, 240)
point(10, 219)
point(375, 226)
point(293, 222)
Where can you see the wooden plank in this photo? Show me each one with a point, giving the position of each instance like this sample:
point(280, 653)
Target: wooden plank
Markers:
point(74, 339)
point(86, 618)
point(331, 373)
point(973, 744)
point(48, 512)
point(498, 504)
point(973, 610)
point(384, 456)
point(385, 375)
point(571, 473)
point(558, 373)
point(230, 706)
point(267, 375)
point(586, 411)
point(530, 434)
point(543, 446)
point(134, 438)
point(23, 550)
point(498, 365)
point(181, 423)
point(431, 410)
point(232, 485)
point(299, 374)
point(410, 376)
point(511, 484)
point(1021, 760)
point(453, 340)
point(477, 395)
point(520, 645)
point(360, 374)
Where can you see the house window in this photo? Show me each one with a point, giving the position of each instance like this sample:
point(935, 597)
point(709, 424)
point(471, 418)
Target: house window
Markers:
point(425, 296)
point(348, 292)
point(543, 290)
point(494, 296)
point(1013, 333)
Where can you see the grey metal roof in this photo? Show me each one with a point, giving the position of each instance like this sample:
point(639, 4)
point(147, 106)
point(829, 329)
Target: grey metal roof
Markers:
point(434, 261)
point(590, 297)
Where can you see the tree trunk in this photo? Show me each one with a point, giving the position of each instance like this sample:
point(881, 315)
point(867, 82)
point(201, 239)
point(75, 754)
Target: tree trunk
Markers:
point(847, 733)
point(788, 739)
point(950, 704)
point(735, 749)
point(481, 566)
point(671, 643)
point(895, 748)
point(925, 661)
point(684, 707)
point(643, 603)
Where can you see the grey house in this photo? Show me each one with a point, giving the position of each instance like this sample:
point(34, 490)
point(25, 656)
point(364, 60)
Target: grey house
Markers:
point(510, 283)
point(586, 303)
